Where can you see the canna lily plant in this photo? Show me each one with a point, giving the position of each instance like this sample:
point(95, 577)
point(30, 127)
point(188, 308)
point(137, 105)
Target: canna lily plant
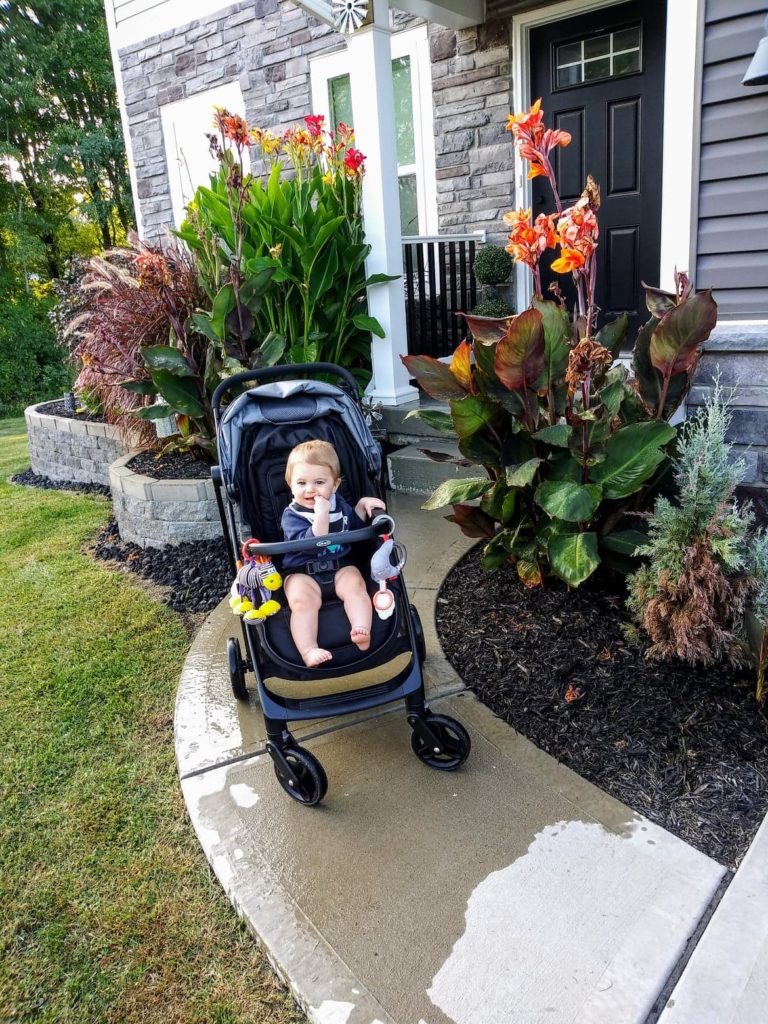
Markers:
point(571, 442)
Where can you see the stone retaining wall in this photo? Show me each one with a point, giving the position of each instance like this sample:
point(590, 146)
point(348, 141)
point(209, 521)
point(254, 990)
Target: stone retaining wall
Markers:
point(740, 352)
point(68, 449)
point(155, 513)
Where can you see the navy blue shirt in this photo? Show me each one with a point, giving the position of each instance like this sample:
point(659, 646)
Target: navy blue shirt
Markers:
point(297, 523)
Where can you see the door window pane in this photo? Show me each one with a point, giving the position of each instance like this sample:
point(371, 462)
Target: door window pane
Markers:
point(340, 100)
point(401, 81)
point(598, 57)
point(409, 212)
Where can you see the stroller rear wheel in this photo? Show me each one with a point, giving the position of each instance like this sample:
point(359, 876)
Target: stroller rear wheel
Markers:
point(300, 774)
point(452, 743)
point(236, 672)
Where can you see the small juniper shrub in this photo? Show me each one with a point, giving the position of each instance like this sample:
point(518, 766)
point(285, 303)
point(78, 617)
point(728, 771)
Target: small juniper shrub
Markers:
point(757, 612)
point(691, 596)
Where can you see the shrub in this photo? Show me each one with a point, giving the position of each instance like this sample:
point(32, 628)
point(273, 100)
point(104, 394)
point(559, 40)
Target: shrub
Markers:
point(296, 233)
point(492, 265)
point(33, 366)
point(572, 445)
point(495, 308)
point(757, 613)
point(691, 596)
point(131, 301)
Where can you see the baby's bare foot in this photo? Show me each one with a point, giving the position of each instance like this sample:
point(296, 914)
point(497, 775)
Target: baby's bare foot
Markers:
point(315, 656)
point(361, 637)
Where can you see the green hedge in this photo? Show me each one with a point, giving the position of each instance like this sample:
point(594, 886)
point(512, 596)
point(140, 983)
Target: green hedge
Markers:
point(33, 366)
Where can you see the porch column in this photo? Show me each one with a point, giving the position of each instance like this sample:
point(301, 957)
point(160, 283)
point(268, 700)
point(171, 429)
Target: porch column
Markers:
point(373, 108)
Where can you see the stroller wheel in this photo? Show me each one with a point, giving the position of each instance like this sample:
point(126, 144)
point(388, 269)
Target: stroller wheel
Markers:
point(301, 775)
point(418, 629)
point(452, 745)
point(236, 673)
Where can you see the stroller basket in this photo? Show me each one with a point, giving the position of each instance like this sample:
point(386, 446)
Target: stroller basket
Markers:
point(256, 432)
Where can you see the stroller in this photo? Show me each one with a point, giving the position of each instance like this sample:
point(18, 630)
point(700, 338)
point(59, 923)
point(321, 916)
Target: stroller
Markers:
point(256, 432)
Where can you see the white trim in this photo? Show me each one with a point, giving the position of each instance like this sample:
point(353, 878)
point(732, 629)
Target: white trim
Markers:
point(412, 43)
point(680, 161)
point(120, 89)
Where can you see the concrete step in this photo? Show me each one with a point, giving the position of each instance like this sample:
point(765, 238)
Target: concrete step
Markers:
point(412, 471)
point(402, 429)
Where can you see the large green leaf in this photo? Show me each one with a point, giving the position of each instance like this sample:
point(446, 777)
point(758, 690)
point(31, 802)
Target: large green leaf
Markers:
point(565, 499)
point(574, 557)
point(624, 542)
point(153, 412)
point(164, 357)
point(434, 377)
point(633, 453)
point(272, 348)
point(613, 335)
point(322, 276)
point(557, 333)
point(181, 393)
point(519, 359)
point(556, 435)
point(471, 414)
point(256, 286)
point(223, 305)
point(658, 301)
point(480, 450)
point(675, 340)
point(452, 491)
point(434, 418)
point(368, 323)
point(139, 387)
point(522, 474)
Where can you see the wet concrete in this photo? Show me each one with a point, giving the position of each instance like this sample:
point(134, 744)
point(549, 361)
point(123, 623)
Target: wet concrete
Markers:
point(510, 891)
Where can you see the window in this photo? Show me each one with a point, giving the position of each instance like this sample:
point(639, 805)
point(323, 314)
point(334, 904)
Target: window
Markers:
point(591, 60)
point(411, 80)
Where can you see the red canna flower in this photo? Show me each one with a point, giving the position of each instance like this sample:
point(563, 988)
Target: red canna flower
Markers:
point(353, 163)
point(314, 123)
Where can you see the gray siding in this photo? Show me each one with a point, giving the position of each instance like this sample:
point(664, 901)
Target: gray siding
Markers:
point(732, 254)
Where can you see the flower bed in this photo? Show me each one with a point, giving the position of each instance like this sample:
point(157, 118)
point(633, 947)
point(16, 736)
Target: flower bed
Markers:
point(70, 449)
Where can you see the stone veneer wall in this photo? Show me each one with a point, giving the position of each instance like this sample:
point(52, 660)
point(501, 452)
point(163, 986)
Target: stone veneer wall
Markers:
point(264, 45)
point(156, 513)
point(471, 93)
point(69, 449)
point(740, 353)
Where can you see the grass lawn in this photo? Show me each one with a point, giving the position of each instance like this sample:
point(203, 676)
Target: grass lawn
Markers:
point(108, 912)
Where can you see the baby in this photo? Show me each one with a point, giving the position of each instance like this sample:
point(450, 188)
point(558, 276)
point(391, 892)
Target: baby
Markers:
point(313, 475)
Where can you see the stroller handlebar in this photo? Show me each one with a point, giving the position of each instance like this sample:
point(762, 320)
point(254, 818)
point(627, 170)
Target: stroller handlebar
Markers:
point(381, 525)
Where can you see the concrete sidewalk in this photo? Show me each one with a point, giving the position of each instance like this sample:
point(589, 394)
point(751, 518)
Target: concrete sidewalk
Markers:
point(511, 891)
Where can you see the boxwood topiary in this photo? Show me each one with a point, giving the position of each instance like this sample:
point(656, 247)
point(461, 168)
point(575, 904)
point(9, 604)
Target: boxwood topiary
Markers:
point(492, 265)
point(493, 307)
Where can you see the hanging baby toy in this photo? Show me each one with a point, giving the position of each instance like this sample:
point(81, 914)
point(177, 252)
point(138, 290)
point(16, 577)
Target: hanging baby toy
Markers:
point(386, 565)
point(256, 580)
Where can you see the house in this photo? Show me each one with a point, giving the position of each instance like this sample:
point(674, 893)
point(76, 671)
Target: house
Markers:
point(651, 91)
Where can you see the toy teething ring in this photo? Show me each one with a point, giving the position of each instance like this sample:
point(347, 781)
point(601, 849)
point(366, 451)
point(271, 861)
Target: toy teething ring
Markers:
point(244, 550)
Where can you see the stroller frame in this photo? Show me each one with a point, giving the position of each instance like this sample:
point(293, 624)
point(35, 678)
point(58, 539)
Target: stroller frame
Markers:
point(437, 740)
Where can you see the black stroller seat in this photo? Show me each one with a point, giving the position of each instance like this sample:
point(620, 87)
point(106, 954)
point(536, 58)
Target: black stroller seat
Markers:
point(256, 433)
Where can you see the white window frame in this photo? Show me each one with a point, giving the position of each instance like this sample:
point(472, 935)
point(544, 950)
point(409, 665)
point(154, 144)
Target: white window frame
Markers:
point(411, 43)
point(685, 19)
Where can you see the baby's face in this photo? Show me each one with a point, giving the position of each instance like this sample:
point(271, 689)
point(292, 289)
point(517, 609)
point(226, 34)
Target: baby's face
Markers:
point(309, 482)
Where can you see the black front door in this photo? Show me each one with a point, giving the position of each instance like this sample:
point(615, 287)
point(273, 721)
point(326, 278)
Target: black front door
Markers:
point(601, 78)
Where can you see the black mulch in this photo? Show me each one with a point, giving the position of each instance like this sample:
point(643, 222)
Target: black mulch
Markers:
point(30, 479)
point(686, 747)
point(170, 466)
point(195, 574)
point(59, 408)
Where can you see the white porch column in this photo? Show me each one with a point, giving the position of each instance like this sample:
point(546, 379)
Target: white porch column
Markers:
point(373, 109)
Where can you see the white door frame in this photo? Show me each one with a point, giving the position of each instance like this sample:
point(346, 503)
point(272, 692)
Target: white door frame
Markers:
point(682, 98)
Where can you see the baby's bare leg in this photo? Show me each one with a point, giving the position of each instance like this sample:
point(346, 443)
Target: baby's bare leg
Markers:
point(350, 587)
point(304, 600)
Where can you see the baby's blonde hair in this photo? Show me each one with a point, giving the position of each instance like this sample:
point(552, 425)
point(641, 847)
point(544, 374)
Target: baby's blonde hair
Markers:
point(316, 453)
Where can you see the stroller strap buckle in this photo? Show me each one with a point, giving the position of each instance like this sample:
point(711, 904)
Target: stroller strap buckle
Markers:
point(321, 565)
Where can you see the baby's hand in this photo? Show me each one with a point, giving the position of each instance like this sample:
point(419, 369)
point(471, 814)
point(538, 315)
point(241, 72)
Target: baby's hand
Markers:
point(321, 506)
point(367, 506)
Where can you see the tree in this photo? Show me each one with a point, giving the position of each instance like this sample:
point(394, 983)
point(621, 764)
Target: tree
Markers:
point(60, 135)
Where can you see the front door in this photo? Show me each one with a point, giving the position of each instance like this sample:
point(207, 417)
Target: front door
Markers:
point(601, 78)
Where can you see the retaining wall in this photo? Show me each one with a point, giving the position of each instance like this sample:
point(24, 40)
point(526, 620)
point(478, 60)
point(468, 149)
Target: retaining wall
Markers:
point(68, 449)
point(155, 513)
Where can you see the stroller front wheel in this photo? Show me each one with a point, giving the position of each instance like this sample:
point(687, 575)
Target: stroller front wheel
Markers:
point(300, 774)
point(451, 746)
point(236, 673)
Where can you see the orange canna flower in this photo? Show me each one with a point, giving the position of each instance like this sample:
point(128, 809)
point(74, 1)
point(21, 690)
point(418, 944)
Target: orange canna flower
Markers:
point(528, 241)
point(235, 129)
point(526, 122)
point(568, 261)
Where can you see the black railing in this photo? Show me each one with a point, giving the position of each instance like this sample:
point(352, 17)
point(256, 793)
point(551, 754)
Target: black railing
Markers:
point(438, 284)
